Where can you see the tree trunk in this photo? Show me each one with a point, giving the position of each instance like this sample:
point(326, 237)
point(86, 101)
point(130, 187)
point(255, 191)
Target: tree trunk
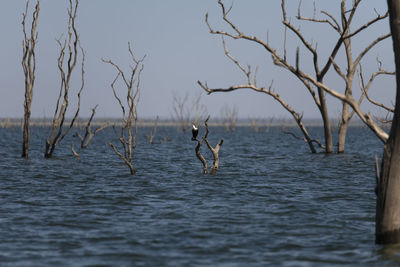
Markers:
point(325, 119)
point(388, 182)
point(29, 67)
point(344, 124)
point(26, 128)
point(342, 136)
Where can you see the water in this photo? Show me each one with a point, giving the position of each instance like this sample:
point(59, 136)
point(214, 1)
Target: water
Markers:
point(271, 203)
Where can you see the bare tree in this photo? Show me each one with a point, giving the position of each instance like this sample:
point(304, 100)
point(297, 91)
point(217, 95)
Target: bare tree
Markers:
point(89, 134)
point(255, 125)
point(252, 84)
point(315, 89)
point(199, 110)
point(351, 66)
point(68, 51)
point(214, 151)
point(183, 114)
point(127, 136)
point(153, 131)
point(29, 67)
point(229, 117)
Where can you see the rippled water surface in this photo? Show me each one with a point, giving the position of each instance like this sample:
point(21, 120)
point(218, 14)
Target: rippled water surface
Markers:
point(271, 203)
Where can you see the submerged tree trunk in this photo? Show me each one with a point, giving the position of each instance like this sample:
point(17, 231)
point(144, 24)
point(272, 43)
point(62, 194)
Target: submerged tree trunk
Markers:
point(68, 48)
point(388, 182)
point(325, 119)
point(29, 67)
point(214, 151)
point(344, 124)
point(132, 82)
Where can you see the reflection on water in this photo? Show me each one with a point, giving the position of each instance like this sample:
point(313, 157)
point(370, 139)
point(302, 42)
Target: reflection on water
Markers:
point(271, 203)
point(391, 253)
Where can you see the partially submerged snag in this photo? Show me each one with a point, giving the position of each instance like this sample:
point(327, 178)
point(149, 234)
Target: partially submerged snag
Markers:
point(67, 61)
point(29, 67)
point(214, 150)
point(89, 134)
point(127, 136)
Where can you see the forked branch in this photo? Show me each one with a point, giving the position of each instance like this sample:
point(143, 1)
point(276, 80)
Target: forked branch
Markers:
point(29, 68)
point(364, 87)
point(89, 134)
point(70, 47)
point(251, 84)
point(127, 137)
point(214, 150)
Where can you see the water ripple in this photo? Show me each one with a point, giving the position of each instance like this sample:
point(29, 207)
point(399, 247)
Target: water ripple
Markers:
point(271, 203)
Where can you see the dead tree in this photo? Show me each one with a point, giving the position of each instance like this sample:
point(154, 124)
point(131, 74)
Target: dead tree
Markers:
point(68, 51)
point(29, 67)
point(183, 114)
point(74, 152)
point(229, 117)
point(200, 156)
point(127, 136)
point(351, 66)
point(252, 84)
point(89, 134)
point(364, 89)
point(314, 83)
point(153, 131)
point(214, 151)
point(199, 110)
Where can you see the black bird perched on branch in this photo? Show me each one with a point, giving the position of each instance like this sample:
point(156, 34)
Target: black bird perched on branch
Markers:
point(195, 132)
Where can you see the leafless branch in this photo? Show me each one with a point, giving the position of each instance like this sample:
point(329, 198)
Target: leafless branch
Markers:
point(127, 137)
point(313, 82)
point(71, 45)
point(302, 138)
point(267, 91)
point(214, 150)
point(89, 134)
point(29, 68)
point(153, 131)
point(364, 87)
point(181, 113)
point(366, 25)
point(74, 152)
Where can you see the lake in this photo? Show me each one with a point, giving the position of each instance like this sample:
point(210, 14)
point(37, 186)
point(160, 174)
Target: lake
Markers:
point(272, 202)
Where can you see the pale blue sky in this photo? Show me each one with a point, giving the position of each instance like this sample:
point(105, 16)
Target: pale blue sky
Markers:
point(179, 52)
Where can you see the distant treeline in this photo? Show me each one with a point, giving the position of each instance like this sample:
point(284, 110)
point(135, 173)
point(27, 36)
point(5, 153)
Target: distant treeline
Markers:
point(243, 122)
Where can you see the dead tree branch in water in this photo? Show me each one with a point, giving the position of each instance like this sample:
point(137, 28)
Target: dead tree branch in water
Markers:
point(184, 112)
point(181, 114)
point(200, 156)
point(127, 137)
point(153, 131)
point(316, 141)
point(229, 117)
point(29, 67)
point(74, 152)
point(313, 81)
point(89, 134)
point(70, 44)
point(214, 151)
point(252, 84)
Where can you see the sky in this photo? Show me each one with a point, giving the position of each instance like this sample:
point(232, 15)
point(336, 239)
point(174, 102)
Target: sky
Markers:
point(180, 51)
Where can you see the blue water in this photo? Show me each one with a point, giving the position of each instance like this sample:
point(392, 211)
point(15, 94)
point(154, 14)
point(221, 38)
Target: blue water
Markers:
point(272, 203)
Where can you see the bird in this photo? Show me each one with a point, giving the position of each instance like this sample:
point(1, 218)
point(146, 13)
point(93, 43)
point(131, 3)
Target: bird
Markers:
point(195, 132)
